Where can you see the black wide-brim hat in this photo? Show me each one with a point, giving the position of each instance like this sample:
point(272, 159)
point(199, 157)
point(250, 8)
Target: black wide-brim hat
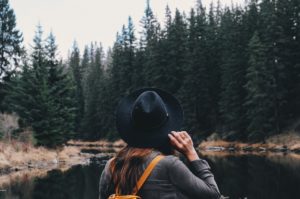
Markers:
point(146, 116)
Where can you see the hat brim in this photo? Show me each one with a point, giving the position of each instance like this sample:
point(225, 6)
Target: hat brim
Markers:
point(153, 137)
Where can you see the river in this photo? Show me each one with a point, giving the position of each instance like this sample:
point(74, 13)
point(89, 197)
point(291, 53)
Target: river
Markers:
point(238, 176)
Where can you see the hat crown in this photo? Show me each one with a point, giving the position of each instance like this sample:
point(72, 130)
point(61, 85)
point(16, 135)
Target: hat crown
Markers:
point(149, 111)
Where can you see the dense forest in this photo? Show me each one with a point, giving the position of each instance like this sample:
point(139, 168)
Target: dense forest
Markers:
point(235, 70)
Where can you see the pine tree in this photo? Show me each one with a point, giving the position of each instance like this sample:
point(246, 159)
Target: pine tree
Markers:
point(232, 73)
point(213, 62)
point(175, 48)
point(194, 92)
point(127, 55)
point(295, 54)
point(10, 40)
point(85, 62)
point(92, 118)
point(275, 39)
point(129, 50)
point(287, 14)
point(149, 44)
point(10, 47)
point(62, 91)
point(42, 96)
point(188, 89)
point(40, 105)
point(150, 27)
point(77, 71)
point(259, 102)
point(168, 17)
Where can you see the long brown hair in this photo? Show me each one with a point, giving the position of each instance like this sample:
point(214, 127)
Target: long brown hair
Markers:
point(126, 168)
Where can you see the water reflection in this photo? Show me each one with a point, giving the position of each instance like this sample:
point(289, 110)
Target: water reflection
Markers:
point(79, 182)
point(257, 177)
point(247, 176)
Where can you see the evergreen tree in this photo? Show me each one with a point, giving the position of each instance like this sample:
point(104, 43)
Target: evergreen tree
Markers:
point(213, 61)
point(77, 70)
point(129, 51)
point(168, 18)
point(85, 62)
point(10, 47)
point(41, 105)
point(194, 93)
point(175, 50)
point(62, 91)
point(287, 17)
point(259, 102)
point(275, 39)
point(42, 96)
point(232, 73)
point(92, 118)
point(188, 90)
point(10, 40)
point(150, 27)
point(294, 95)
point(149, 44)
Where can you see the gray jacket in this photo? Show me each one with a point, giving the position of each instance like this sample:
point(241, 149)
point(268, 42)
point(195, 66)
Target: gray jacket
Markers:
point(171, 179)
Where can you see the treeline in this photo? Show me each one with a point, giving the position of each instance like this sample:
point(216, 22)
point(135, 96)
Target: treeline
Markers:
point(235, 69)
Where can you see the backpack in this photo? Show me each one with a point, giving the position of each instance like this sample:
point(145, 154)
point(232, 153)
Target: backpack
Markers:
point(140, 182)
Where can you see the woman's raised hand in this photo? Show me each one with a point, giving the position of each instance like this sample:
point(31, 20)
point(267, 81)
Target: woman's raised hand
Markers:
point(182, 142)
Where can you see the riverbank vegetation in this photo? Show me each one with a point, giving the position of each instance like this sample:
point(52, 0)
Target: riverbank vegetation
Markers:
point(17, 156)
point(287, 142)
point(234, 69)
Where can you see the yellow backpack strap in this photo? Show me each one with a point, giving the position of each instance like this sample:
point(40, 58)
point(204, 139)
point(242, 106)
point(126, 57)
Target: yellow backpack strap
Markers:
point(146, 173)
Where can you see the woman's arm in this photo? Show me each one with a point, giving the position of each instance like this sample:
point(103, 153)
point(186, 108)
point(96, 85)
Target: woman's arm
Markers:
point(198, 183)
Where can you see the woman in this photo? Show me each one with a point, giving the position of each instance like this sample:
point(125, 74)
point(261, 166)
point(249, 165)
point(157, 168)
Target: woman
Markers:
point(147, 120)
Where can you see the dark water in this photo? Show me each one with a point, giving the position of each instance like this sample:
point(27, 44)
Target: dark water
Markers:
point(79, 182)
point(272, 177)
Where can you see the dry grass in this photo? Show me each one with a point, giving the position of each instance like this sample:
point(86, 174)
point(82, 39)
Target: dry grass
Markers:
point(222, 143)
point(99, 143)
point(18, 154)
point(228, 153)
point(290, 141)
point(295, 147)
point(25, 160)
point(237, 145)
point(70, 155)
point(102, 145)
point(86, 143)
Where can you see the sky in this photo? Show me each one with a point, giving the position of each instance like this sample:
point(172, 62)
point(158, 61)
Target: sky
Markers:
point(88, 20)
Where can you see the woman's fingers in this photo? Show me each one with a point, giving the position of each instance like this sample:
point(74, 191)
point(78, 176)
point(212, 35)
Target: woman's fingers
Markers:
point(183, 137)
point(181, 140)
point(177, 135)
point(174, 141)
point(186, 134)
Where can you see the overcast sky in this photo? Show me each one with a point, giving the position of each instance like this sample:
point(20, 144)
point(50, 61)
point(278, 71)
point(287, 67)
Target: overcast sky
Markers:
point(88, 20)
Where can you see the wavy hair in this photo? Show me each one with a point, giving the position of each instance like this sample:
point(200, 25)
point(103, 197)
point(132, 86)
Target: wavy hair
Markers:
point(126, 168)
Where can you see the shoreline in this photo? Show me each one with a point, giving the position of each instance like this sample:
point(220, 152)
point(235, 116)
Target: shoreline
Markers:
point(17, 156)
point(283, 143)
point(19, 159)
